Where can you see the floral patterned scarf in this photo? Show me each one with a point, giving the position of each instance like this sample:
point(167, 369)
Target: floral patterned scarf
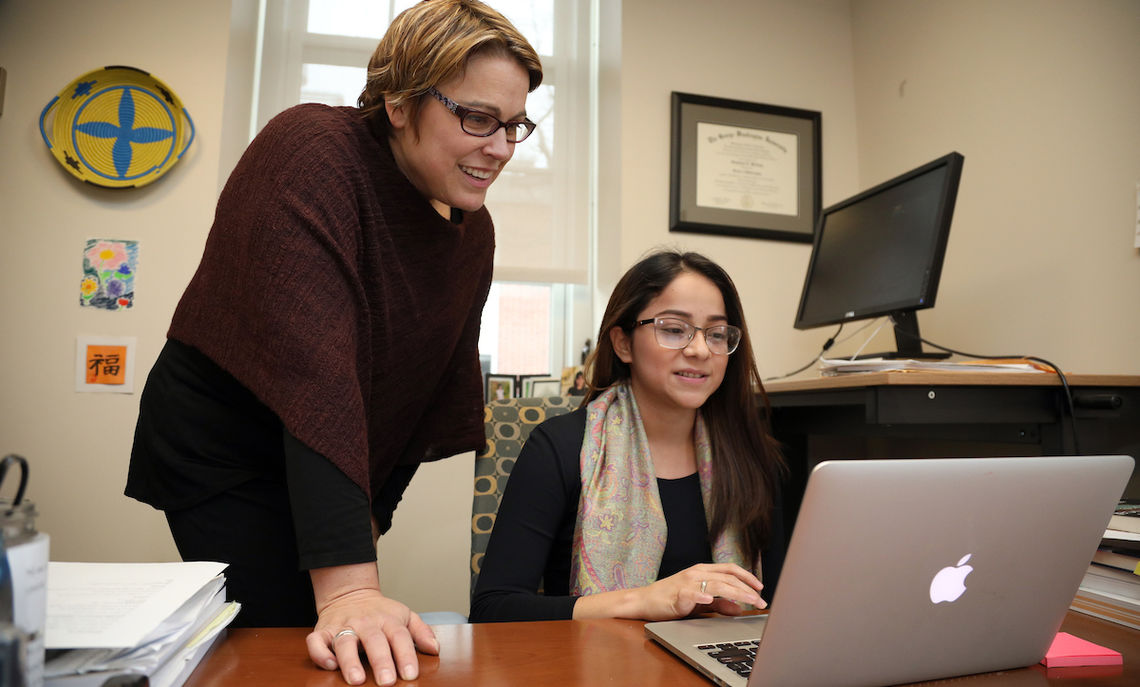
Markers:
point(619, 537)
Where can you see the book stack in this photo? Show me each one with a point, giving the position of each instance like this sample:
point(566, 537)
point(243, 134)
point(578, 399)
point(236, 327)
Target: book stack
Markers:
point(1111, 586)
point(132, 623)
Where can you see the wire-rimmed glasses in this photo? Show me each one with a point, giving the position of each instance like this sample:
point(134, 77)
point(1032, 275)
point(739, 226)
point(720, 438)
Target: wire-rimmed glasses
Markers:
point(721, 339)
point(482, 124)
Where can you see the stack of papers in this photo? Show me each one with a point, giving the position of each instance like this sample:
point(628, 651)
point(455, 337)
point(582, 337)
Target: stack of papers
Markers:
point(1110, 588)
point(832, 366)
point(147, 619)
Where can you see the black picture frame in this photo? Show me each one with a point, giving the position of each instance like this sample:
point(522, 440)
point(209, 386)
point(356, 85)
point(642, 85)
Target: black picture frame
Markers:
point(523, 384)
point(750, 156)
point(507, 383)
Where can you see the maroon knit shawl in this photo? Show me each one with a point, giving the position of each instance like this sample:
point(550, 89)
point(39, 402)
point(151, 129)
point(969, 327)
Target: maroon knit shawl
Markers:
point(333, 290)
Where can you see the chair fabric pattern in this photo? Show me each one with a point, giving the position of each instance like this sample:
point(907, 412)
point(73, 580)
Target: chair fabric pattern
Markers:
point(507, 424)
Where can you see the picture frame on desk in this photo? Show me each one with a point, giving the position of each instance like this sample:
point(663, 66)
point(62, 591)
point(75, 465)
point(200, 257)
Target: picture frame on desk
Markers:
point(525, 384)
point(499, 387)
point(740, 168)
point(541, 387)
point(573, 381)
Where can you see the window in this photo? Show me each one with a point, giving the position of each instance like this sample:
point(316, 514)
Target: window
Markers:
point(538, 315)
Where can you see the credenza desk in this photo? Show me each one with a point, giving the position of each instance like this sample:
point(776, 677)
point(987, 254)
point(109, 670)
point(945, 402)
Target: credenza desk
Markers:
point(569, 653)
point(926, 414)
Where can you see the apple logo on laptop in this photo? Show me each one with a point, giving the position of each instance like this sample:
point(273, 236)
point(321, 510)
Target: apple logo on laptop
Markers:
point(950, 582)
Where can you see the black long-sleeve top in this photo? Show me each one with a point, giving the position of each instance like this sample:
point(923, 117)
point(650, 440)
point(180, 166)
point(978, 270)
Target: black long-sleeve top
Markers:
point(192, 407)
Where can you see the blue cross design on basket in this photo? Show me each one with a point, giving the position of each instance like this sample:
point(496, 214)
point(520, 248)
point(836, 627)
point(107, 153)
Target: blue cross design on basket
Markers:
point(117, 127)
point(124, 132)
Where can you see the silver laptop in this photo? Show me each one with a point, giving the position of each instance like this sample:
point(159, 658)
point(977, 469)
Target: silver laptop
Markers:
point(907, 570)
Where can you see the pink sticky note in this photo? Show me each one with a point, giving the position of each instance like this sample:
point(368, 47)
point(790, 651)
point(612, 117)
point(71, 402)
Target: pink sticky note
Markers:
point(1068, 650)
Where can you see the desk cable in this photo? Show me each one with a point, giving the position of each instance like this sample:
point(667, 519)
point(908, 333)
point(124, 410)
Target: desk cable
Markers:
point(834, 339)
point(1057, 370)
point(826, 346)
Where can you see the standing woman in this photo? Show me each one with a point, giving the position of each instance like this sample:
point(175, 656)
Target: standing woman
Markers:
point(327, 344)
point(660, 496)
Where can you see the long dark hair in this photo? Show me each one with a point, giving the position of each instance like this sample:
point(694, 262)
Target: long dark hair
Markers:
point(746, 459)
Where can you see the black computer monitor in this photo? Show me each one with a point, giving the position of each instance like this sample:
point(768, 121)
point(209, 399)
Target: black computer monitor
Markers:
point(880, 253)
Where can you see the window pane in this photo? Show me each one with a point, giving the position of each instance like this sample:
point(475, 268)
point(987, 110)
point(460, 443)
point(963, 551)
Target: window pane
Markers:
point(536, 151)
point(364, 18)
point(516, 329)
point(370, 18)
point(533, 18)
point(323, 83)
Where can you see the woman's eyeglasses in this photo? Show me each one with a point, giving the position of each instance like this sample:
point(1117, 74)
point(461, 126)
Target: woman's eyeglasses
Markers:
point(721, 339)
point(482, 124)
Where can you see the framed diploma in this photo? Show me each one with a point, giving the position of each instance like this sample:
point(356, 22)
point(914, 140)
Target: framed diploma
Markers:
point(744, 169)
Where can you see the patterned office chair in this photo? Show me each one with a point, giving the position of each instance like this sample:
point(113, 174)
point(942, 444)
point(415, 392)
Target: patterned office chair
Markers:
point(508, 423)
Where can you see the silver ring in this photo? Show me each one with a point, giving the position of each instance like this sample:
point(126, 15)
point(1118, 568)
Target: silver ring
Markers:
point(344, 632)
point(704, 583)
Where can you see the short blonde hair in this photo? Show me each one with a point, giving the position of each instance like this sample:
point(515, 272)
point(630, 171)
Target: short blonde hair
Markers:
point(430, 43)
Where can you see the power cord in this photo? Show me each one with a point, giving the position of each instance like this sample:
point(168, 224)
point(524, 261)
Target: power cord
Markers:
point(870, 337)
point(1057, 370)
point(826, 345)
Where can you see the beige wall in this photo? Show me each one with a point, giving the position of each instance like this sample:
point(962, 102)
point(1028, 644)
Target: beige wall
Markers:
point(1041, 96)
point(77, 444)
point(795, 54)
point(1043, 99)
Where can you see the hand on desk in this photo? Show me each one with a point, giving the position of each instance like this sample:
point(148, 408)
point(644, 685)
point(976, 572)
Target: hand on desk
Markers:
point(349, 598)
point(715, 587)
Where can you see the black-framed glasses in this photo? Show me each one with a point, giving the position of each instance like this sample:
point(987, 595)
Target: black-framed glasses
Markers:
point(483, 124)
point(722, 339)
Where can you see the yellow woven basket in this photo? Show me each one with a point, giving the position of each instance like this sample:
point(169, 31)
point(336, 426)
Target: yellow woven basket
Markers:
point(117, 126)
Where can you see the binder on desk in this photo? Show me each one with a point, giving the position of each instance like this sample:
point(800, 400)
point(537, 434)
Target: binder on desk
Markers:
point(132, 623)
point(173, 673)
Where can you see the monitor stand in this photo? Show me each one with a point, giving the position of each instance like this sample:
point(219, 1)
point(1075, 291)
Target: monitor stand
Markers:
point(907, 339)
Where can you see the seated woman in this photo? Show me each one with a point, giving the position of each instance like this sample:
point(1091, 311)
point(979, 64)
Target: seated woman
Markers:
point(659, 497)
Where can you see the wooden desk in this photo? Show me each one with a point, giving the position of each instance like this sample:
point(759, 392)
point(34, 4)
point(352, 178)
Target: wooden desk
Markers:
point(949, 414)
point(580, 652)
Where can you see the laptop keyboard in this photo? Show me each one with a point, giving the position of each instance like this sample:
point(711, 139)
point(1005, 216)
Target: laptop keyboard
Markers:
point(738, 656)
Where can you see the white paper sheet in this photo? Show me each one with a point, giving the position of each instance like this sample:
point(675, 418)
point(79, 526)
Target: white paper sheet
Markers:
point(117, 605)
point(833, 366)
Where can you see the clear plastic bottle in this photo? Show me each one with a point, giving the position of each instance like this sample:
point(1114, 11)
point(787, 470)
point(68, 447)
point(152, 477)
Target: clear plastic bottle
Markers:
point(12, 656)
point(25, 552)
